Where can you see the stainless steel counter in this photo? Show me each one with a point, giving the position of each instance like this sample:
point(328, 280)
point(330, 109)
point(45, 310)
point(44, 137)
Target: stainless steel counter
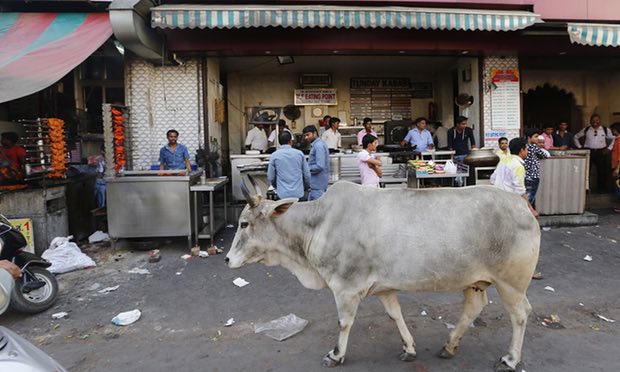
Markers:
point(347, 169)
point(145, 204)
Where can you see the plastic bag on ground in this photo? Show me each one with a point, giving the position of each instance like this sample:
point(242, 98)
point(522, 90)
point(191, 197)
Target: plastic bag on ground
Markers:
point(66, 256)
point(127, 318)
point(282, 328)
point(98, 236)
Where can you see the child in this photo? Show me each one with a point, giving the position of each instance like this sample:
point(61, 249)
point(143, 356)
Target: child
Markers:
point(532, 164)
point(370, 167)
point(510, 172)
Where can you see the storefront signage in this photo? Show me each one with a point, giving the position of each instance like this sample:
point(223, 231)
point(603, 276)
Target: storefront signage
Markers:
point(364, 83)
point(315, 80)
point(505, 99)
point(24, 225)
point(311, 97)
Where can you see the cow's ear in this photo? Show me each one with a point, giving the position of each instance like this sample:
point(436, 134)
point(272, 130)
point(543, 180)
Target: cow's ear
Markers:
point(280, 207)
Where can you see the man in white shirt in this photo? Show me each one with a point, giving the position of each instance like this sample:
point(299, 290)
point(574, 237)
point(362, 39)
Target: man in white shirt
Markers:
point(331, 136)
point(600, 141)
point(282, 127)
point(256, 138)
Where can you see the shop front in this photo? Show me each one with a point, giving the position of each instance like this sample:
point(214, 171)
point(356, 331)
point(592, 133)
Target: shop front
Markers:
point(392, 64)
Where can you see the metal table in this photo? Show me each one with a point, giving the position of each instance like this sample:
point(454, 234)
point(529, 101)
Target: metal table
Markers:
point(212, 185)
point(413, 178)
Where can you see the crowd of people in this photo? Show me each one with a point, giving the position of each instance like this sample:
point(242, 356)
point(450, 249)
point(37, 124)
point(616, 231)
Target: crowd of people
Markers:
point(519, 168)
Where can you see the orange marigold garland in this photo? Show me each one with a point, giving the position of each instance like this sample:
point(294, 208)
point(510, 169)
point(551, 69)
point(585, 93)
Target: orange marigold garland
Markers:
point(58, 148)
point(118, 131)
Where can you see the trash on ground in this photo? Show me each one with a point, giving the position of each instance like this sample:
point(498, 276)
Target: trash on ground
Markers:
point(580, 304)
point(98, 236)
point(552, 321)
point(587, 258)
point(230, 225)
point(203, 254)
point(546, 228)
point(537, 276)
point(94, 287)
point(213, 250)
point(549, 288)
point(136, 270)
point(66, 256)
point(186, 257)
point(240, 282)
point(229, 322)
point(195, 251)
point(423, 313)
point(109, 289)
point(450, 325)
point(605, 318)
point(154, 256)
point(282, 328)
point(60, 315)
point(126, 318)
point(178, 273)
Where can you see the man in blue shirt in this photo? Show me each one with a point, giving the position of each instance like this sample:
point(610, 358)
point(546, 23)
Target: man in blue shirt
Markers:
point(419, 137)
point(174, 155)
point(318, 162)
point(288, 171)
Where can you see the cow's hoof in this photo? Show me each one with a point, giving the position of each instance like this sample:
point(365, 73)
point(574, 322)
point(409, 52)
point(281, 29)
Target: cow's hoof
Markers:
point(328, 361)
point(445, 354)
point(501, 366)
point(407, 357)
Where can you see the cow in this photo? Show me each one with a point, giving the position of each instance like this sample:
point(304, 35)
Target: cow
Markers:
point(361, 241)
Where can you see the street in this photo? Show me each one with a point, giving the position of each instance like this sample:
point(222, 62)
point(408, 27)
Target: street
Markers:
point(185, 304)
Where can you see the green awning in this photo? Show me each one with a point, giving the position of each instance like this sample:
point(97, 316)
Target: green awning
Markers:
point(292, 16)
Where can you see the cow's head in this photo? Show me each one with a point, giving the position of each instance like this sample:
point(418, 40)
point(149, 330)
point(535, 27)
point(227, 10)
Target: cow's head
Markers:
point(256, 235)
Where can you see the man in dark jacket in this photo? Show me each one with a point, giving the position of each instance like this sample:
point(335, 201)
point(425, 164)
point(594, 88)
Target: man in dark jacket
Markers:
point(458, 138)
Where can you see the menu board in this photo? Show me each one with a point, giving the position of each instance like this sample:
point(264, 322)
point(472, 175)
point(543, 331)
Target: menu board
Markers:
point(380, 98)
point(505, 100)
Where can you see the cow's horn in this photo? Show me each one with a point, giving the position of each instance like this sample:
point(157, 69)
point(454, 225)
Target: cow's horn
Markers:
point(257, 189)
point(252, 200)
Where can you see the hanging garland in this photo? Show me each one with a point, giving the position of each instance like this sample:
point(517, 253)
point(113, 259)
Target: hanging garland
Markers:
point(58, 147)
point(118, 131)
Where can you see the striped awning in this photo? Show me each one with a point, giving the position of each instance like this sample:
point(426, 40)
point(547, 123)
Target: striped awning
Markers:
point(595, 34)
point(38, 49)
point(293, 16)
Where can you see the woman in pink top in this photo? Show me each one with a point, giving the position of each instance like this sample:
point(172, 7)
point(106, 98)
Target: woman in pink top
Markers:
point(370, 167)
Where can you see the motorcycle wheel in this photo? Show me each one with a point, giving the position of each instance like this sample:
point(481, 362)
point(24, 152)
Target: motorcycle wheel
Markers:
point(37, 300)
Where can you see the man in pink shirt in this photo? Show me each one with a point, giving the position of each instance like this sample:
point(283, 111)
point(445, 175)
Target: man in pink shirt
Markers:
point(367, 130)
point(370, 167)
point(548, 138)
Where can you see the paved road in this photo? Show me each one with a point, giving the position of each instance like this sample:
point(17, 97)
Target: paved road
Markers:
point(183, 316)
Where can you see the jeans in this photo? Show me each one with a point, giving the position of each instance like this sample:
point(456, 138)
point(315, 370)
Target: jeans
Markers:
point(315, 194)
point(100, 193)
point(459, 181)
point(531, 186)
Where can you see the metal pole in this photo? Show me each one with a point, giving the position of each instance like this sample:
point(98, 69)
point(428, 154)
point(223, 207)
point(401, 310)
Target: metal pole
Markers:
point(108, 139)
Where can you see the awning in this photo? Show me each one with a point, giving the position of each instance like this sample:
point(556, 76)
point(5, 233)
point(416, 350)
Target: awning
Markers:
point(244, 16)
point(595, 34)
point(38, 49)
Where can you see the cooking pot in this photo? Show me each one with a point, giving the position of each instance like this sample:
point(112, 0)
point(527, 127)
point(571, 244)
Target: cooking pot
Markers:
point(484, 157)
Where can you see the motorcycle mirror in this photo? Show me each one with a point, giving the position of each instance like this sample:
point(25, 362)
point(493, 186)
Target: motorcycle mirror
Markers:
point(6, 288)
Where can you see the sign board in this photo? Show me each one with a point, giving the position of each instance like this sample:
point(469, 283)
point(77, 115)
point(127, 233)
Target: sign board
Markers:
point(24, 225)
point(315, 97)
point(365, 83)
point(505, 99)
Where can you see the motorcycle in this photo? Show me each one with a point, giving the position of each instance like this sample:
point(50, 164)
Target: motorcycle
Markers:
point(16, 353)
point(37, 289)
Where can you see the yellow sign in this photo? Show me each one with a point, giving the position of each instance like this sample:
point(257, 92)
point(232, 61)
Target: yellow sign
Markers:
point(24, 225)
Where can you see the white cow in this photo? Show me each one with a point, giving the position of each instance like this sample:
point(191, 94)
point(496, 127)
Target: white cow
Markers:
point(361, 241)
